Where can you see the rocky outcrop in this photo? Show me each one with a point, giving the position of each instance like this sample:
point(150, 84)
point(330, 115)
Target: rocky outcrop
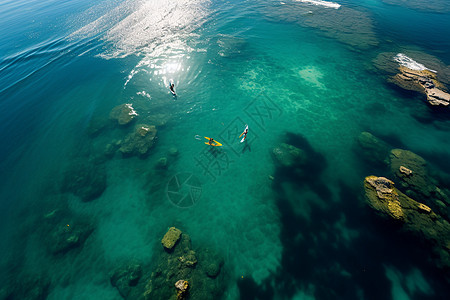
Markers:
point(171, 237)
point(412, 217)
point(383, 197)
point(140, 141)
point(372, 149)
point(287, 155)
point(123, 114)
point(423, 81)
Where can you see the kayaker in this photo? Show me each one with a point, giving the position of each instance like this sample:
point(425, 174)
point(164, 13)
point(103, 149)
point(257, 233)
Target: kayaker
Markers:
point(245, 133)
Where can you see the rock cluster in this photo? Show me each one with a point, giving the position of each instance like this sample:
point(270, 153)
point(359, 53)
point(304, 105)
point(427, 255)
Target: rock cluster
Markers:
point(423, 81)
point(182, 273)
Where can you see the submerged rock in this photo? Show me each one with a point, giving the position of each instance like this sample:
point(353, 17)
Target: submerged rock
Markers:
point(413, 217)
point(173, 152)
point(411, 172)
point(171, 238)
point(436, 6)
point(372, 149)
point(125, 278)
point(66, 237)
point(85, 179)
point(288, 156)
point(140, 141)
point(348, 25)
point(162, 163)
point(123, 114)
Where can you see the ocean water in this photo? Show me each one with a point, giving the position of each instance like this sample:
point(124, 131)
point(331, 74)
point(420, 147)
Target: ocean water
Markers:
point(297, 72)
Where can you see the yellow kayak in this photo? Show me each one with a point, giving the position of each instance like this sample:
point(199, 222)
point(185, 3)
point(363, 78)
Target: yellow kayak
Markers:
point(214, 144)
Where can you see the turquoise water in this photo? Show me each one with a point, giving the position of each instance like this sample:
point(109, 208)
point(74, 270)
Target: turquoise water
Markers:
point(291, 75)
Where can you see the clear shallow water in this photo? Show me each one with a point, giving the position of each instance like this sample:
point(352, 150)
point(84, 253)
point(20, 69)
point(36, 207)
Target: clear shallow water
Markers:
point(65, 66)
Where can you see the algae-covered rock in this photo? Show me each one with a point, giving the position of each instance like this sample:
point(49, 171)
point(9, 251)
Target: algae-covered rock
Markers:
point(85, 179)
point(140, 141)
point(288, 156)
point(123, 114)
point(372, 149)
point(414, 218)
point(171, 238)
point(382, 197)
point(125, 278)
point(189, 259)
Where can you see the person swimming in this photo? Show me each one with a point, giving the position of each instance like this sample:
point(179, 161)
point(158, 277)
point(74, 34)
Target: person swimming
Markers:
point(172, 88)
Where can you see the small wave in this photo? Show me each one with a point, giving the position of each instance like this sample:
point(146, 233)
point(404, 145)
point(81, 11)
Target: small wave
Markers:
point(408, 62)
point(322, 3)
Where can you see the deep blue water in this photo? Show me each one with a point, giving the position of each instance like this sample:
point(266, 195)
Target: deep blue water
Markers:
point(305, 76)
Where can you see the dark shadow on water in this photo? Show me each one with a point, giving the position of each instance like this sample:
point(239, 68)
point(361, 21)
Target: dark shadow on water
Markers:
point(342, 249)
point(249, 290)
point(246, 147)
point(308, 174)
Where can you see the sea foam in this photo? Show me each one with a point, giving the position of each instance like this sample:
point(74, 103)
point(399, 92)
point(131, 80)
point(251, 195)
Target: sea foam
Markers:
point(410, 63)
point(322, 3)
